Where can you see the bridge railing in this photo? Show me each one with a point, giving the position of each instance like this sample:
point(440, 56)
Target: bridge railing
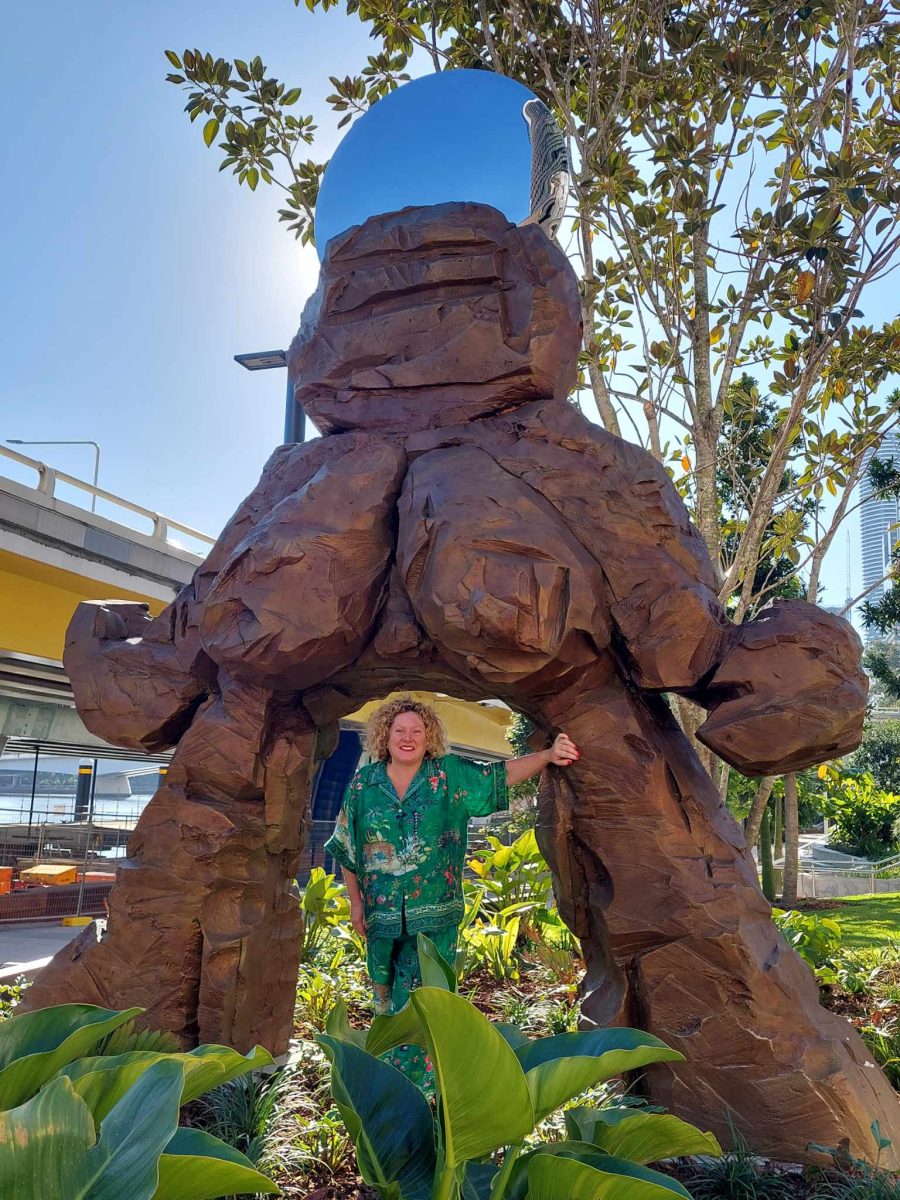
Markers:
point(48, 477)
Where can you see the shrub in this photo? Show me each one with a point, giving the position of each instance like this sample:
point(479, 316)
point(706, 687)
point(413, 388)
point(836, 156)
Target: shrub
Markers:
point(493, 1086)
point(864, 816)
point(77, 1125)
point(816, 939)
point(879, 755)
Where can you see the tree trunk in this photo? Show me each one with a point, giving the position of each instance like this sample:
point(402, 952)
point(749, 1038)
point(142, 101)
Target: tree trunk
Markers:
point(763, 792)
point(767, 867)
point(791, 841)
point(778, 833)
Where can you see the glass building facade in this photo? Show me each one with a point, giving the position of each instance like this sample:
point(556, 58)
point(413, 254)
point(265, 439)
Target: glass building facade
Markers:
point(878, 521)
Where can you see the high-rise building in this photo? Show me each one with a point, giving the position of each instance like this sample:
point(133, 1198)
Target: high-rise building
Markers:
point(879, 530)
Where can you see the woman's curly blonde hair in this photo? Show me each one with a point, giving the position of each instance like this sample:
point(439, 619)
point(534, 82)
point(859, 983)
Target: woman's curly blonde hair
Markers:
point(378, 727)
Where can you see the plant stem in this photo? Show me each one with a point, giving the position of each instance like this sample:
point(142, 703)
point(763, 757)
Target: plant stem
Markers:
point(502, 1177)
point(445, 1187)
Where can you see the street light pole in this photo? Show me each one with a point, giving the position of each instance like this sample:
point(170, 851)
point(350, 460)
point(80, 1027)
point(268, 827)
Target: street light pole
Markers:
point(294, 416)
point(73, 442)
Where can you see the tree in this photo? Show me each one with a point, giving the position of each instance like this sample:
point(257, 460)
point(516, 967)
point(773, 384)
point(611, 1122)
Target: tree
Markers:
point(879, 756)
point(736, 191)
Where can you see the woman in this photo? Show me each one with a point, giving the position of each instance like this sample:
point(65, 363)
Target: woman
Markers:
point(401, 838)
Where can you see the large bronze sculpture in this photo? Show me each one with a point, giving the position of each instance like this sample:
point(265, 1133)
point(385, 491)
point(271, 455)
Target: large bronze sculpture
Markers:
point(462, 527)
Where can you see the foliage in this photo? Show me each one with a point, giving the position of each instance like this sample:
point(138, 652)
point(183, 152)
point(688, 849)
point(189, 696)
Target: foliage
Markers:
point(10, 996)
point(882, 660)
point(884, 614)
point(325, 907)
point(513, 875)
point(884, 1043)
point(76, 1124)
point(493, 946)
point(493, 1085)
point(319, 987)
point(127, 1038)
point(864, 816)
point(851, 1178)
point(241, 1111)
point(736, 1175)
point(879, 756)
point(735, 195)
point(816, 939)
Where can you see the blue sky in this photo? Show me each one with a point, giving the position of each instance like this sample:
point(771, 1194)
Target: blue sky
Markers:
point(133, 270)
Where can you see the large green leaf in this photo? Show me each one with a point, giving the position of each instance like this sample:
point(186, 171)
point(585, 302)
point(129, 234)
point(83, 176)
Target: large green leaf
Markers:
point(560, 1176)
point(435, 970)
point(512, 1034)
point(484, 1099)
point(103, 1080)
point(395, 1029)
point(49, 1149)
point(35, 1045)
point(387, 1117)
point(561, 1067)
point(639, 1136)
point(338, 1026)
point(197, 1166)
point(478, 1181)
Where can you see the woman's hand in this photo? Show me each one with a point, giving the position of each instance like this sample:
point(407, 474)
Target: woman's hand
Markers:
point(563, 751)
point(358, 919)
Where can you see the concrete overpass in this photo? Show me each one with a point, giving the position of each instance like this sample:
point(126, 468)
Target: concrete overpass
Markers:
point(55, 552)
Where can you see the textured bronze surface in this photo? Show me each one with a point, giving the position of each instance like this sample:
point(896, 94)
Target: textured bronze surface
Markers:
point(471, 532)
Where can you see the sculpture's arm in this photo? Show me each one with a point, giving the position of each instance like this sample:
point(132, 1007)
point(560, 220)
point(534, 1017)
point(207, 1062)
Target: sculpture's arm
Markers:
point(138, 679)
point(784, 690)
point(788, 692)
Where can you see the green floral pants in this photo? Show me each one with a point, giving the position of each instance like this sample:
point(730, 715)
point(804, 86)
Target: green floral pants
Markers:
point(393, 966)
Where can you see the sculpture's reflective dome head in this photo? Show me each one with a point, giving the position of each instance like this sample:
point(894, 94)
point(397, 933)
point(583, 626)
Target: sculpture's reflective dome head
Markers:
point(433, 316)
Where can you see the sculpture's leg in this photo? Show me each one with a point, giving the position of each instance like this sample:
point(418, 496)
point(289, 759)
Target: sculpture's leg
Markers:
point(201, 919)
point(651, 868)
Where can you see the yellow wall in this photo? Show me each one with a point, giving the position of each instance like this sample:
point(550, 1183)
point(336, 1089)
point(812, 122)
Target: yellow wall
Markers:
point(37, 602)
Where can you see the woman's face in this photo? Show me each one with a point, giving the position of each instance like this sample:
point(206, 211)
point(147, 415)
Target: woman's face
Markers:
point(406, 740)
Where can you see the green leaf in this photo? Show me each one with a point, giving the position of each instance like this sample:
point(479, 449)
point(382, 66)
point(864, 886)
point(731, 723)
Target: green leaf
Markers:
point(641, 1137)
point(210, 129)
point(557, 1176)
point(198, 1166)
point(103, 1080)
point(49, 1149)
point(395, 1029)
point(484, 1100)
point(558, 1068)
point(291, 97)
point(252, 178)
point(35, 1045)
point(387, 1117)
point(337, 1024)
point(173, 58)
point(513, 1034)
point(436, 971)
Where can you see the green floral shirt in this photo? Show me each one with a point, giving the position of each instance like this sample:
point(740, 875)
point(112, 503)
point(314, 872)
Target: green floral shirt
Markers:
point(408, 854)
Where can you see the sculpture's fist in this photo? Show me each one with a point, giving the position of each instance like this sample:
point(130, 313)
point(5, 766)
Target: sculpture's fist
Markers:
point(788, 692)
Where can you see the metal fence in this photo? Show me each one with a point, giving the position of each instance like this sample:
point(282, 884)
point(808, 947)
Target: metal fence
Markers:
point(821, 880)
point(52, 866)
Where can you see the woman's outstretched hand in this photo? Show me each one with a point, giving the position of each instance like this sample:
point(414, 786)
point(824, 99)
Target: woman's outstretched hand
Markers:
point(563, 751)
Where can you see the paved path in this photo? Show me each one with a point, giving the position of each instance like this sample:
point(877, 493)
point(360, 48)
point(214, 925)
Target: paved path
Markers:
point(28, 943)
